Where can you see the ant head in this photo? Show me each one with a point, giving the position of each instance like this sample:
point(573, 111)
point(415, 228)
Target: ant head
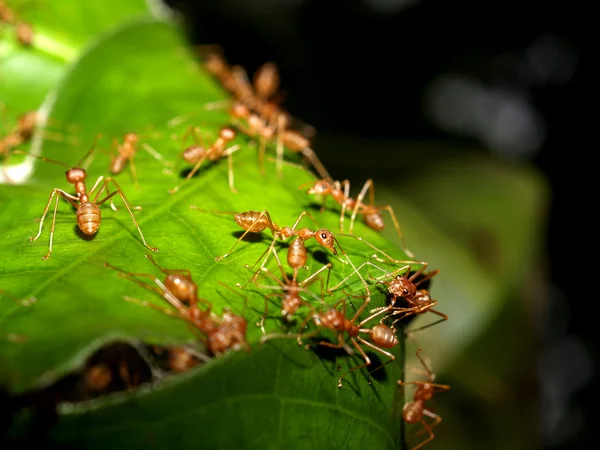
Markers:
point(227, 133)
point(239, 110)
point(401, 286)
point(131, 138)
point(321, 187)
point(192, 154)
point(326, 239)
point(75, 175)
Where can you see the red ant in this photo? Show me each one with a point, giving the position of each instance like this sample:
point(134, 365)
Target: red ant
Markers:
point(399, 286)
point(262, 93)
point(370, 212)
point(291, 300)
point(255, 222)
point(381, 336)
point(275, 127)
point(20, 134)
point(198, 153)
point(23, 30)
point(223, 333)
point(126, 152)
point(88, 211)
point(415, 410)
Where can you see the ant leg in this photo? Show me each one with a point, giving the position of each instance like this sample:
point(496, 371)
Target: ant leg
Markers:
point(329, 290)
point(261, 322)
point(153, 306)
point(374, 347)
point(131, 276)
point(244, 87)
point(428, 428)
point(185, 272)
point(427, 277)
point(406, 312)
point(133, 172)
point(271, 248)
point(313, 277)
point(265, 337)
point(302, 214)
point(120, 192)
point(389, 209)
point(281, 124)
point(316, 163)
point(346, 185)
point(444, 318)
point(156, 155)
point(175, 302)
point(229, 152)
point(359, 201)
point(59, 193)
point(191, 174)
point(363, 355)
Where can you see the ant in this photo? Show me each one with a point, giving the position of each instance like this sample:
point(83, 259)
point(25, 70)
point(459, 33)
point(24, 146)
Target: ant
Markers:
point(23, 30)
point(255, 222)
point(263, 93)
point(181, 359)
point(381, 336)
point(275, 127)
point(177, 359)
point(415, 410)
point(199, 152)
point(178, 282)
point(291, 300)
point(23, 133)
point(126, 152)
point(340, 192)
point(399, 286)
point(88, 211)
point(226, 332)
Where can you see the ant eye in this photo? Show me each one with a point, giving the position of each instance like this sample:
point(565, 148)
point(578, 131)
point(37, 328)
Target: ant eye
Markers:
point(323, 235)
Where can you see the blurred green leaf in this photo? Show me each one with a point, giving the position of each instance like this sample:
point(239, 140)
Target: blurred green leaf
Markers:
point(61, 29)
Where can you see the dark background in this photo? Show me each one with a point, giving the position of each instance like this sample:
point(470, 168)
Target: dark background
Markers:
point(363, 68)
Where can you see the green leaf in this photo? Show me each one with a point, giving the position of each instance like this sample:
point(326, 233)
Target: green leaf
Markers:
point(60, 30)
point(136, 79)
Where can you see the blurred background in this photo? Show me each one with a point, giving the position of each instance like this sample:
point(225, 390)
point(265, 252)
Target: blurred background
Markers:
point(465, 115)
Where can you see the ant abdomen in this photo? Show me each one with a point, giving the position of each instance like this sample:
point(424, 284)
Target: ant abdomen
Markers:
point(384, 336)
point(413, 412)
point(297, 254)
point(182, 287)
point(117, 165)
point(88, 218)
point(294, 140)
point(374, 221)
point(252, 221)
point(193, 154)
